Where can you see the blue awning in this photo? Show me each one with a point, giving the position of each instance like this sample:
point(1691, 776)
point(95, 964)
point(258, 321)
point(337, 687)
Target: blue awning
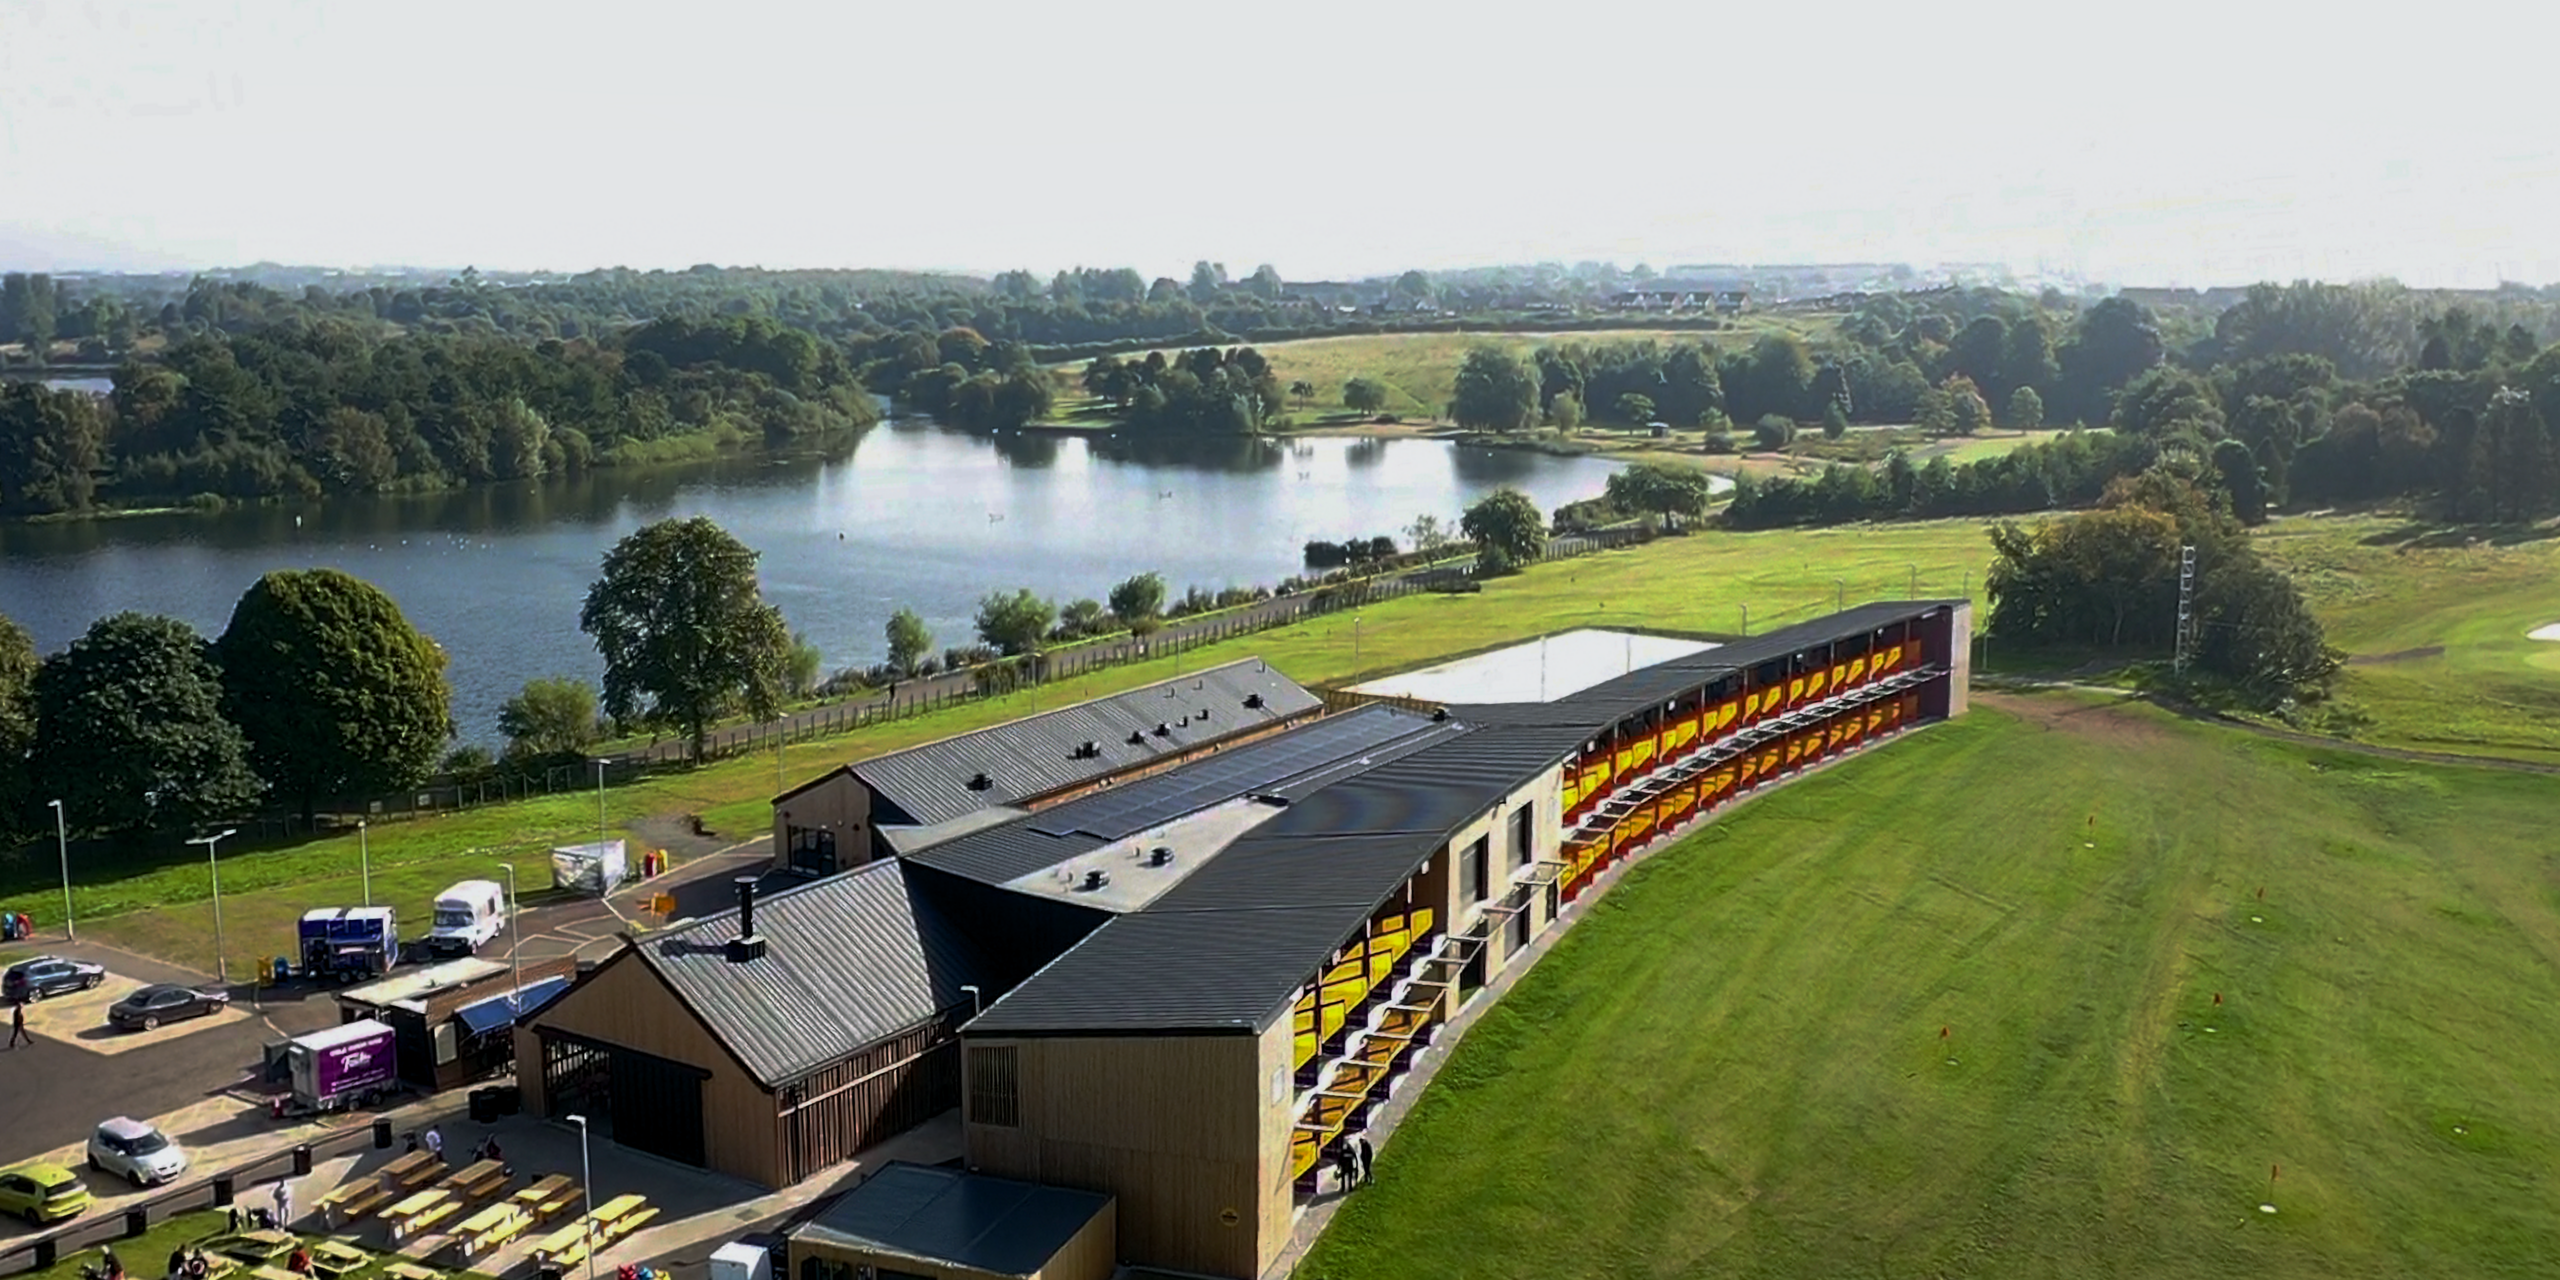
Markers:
point(484, 1016)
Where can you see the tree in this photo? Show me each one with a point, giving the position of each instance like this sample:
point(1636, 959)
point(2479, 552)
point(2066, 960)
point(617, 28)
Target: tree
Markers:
point(1015, 623)
point(1508, 531)
point(1138, 601)
point(550, 716)
point(339, 696)
point(1774, 432)
point(1302, 391)
point(1564, 412)
point(18, 668)
point(801, 667)
point(1364, 395)
point(1428, 536)
point(1495, 392)
point(130, 733)
point(1206, 277)
point(2026, 409)
point(1634, 409)
point(1935, 414)
point(684, 629)
point(2241, 478)
point(1835, 421)
point(1666, 490)
point(1969, 411)
point(909, 641)
point(1083, 618)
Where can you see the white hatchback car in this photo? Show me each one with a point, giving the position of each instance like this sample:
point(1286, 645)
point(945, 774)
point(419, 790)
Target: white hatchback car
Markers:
point(136, 1152)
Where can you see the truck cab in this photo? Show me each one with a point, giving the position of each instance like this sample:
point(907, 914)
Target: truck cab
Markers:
point(469, 915)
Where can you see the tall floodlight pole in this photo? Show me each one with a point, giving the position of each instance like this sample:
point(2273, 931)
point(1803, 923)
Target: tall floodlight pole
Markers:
point(599, 810)
point(364, 858)
point(2186, 609)
point(221, 962)
point(515, 936)
point(62, 838)
point(587, 1184)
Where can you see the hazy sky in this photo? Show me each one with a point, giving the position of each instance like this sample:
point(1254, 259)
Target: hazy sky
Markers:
point(2155, 143)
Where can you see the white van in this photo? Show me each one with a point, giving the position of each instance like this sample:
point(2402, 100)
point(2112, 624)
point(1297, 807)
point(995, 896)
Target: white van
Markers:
point(468, 916)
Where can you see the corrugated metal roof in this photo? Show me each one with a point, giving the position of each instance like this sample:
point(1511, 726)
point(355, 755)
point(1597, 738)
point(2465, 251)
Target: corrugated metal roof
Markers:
point(848, 960)
point(968, 1221)
point(1172, 971)
point(1036, 756)
point(1285, 764)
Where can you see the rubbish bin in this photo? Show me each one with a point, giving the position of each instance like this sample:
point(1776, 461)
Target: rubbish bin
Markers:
point(221, 1190)
point(44, 1253)
point(381, 1134)
point(510, 1099)
point(484, 1106)
point(302, 1161)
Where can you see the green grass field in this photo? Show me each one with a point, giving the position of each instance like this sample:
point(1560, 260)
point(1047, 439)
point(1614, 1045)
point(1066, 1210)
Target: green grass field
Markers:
point(1733, 1066)
point(2438, 632)
point(144, 1255)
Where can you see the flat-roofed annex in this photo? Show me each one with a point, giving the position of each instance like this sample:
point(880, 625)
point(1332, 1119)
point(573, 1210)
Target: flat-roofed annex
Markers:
point(1131, 874)
point(1541, 670)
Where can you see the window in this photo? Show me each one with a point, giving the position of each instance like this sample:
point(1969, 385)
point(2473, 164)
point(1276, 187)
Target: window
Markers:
point(995, 1094)
point(813, 850)
point(1523, 846)
point(1474, 883)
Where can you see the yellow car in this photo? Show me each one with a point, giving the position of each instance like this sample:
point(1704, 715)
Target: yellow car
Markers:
point(42, 1193)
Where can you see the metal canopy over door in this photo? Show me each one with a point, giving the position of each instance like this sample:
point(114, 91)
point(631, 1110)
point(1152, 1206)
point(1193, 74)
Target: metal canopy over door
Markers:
point(657, 1105)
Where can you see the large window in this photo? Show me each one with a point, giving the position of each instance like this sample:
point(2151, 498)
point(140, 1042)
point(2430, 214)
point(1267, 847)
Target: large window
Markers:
point(995, 1092)
point(1477, 870)
point(1523, 845)
point(813, 850)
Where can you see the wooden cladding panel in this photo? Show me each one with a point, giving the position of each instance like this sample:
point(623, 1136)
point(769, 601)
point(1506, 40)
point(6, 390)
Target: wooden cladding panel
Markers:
point(624, 1003)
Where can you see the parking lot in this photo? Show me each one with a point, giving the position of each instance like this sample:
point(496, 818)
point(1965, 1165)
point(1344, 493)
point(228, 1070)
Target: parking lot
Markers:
point(80, 1019)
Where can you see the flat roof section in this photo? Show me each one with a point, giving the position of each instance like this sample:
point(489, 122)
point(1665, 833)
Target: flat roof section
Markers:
point(1131, 878)
point(1544, 670)
point(947, 1218)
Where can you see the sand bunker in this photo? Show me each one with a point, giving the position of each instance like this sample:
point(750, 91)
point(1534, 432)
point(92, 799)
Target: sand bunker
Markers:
point(2551, 632)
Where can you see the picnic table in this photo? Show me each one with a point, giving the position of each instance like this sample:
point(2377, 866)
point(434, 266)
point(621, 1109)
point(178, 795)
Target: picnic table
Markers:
point(491, 1227)
point(349, 1201)
point(548, 1197)
point(416, 1169)
point(254, 1247)
point(610, 1221)
point(479, 1181)
point(412, 1214)
point(333, 1258)
point(272, 1272)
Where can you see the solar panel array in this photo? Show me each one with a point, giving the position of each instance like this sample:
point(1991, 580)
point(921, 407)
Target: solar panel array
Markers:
point(1133, 807)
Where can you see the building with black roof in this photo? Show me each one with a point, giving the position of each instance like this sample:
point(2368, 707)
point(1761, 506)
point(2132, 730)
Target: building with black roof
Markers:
point(917, 1220)
point(1193, 985)
point(893, 804)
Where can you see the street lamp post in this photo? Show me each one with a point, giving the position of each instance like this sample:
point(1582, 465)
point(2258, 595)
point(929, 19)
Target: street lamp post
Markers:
point(587, 1183)
point(364, 855)
point(1355, 643)
point(515, 936)
point(62, 837)
point(599, 808)
point(221, 962)
point(972, 989)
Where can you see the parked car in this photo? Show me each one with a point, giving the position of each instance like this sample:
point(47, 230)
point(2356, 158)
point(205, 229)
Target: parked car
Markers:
point(136, 1152)
point(49, 976)
point(42, 1193)
point(147, 1008)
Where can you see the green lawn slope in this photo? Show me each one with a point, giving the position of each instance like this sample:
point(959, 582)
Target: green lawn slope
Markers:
point(1734, 1066)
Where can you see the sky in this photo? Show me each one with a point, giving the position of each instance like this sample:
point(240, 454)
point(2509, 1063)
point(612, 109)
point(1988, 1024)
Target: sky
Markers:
point(2168, 143)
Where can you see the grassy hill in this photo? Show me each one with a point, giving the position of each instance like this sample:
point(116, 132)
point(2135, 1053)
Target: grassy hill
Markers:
point(1734, 1067)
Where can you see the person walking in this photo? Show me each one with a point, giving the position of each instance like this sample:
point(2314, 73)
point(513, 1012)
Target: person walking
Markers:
point(284, 1203)
point(435, 1141)
point(1361, 1149)
point(18, 1024)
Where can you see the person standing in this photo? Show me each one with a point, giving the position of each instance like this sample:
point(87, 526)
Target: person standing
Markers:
point(435, 1141)
point(1360, 1148)
point(284, 1203)
point(18, 1024)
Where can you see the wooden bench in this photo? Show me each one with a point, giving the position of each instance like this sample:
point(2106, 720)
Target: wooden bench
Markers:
point(418, 1225)
point(411, 1271)
point(548, 1198)
point(414, 1170)
point(333, 1258)
point(491, 1227)
point(403, 1215)
point(480, 1181)
point(352, 1202)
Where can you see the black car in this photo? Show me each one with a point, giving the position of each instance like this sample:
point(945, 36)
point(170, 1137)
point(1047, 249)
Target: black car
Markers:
point(48, 976)
point(147, 1008)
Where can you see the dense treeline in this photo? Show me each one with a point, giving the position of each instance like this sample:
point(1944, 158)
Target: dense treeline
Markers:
point(301, 409)
point(2071, 470)
point(1203, 390)
point(2108, 580)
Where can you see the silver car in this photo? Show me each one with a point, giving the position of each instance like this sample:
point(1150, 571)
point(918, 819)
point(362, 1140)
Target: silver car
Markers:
point(136, 1152)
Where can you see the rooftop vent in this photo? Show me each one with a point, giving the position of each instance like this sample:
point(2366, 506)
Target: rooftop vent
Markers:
point(980, 782)
point(1088, 750)
point(1137, 738)
point(1095, 879)
point(1160, 856)
point(1253, 700)
point(1185, 721)
point(1201, 714)
point(747, 945)
point(1163, 730)
point(1439, 713)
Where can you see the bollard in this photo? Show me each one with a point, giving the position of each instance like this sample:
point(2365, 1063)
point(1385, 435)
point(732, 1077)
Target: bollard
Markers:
point(221, 1190)
point(381, 1134)
point(136, 1221)
point(302, 1161)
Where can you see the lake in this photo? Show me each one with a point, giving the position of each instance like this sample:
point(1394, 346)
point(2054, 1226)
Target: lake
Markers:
point(910, 515)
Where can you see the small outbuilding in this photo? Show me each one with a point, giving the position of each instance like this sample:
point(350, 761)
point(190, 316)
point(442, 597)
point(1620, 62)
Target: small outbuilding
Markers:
point(452, 1019)
point(917, 1222)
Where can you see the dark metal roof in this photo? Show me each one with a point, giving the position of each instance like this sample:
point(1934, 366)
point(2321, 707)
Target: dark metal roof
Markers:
point(1614, 699)
point(1156, 971)
point(849, 960)
point(967, 1221)
point(1227, 948)
point(1286, 764)
point(481, 1017)
point(1036, 756)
